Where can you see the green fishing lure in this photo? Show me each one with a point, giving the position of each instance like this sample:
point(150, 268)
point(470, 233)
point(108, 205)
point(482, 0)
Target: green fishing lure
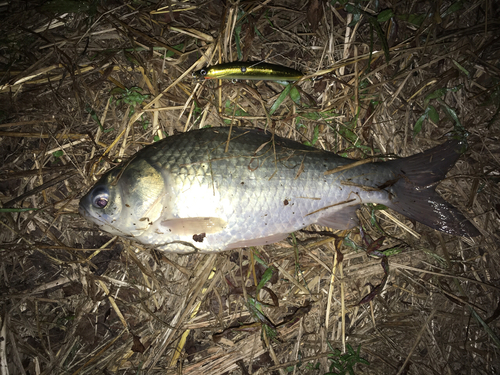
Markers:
point(249, 70)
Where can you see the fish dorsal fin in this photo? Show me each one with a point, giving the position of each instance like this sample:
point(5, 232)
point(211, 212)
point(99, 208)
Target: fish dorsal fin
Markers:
point(193, 225)
point(343, 218)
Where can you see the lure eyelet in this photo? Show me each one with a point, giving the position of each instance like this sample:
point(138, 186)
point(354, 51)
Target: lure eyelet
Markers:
point(243, 69)
point(203, 72)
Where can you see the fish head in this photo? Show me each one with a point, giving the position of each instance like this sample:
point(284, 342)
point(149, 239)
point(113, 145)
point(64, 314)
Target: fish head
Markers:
point(102, 205)
point(125, 201)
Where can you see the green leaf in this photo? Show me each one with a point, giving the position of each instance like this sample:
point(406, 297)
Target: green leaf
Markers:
point(355, 19)
point(373, 220)
point(58, 153)
point(156, 138)
point(385, 15)
point(487, 328)
point(310, 115)
point(255, 308)
point(356, 14)
point(451, 112)
point(117, 91)
point(459, 129)
point(65, 6)
point(258, 33)
point(196, 110)
point(456, 6)
point(295, 95)
point(178, 47)
point(265, 278)
point(130, 57)
point(350, 349)
point(270, 331)
point(280, 99)
point(93, 115)
point(268, 19)
point(434, 95)
point(336, 365)
point(439, 93)
point(433, 114)
point(381, 36)
point(237, 40)
point(131, 96)
point(230, 110)
point(415, 19)
point(352, 9)
point(350, 243)
point(462, 69)
point(315, 134)
point(315, 137)
point(326, 115)
point(392, 251)
point(418, 125)
point(348, 134)
point(2, 210)
point(259, 259)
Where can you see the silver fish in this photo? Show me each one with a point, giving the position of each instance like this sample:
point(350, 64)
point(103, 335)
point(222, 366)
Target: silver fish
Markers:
point(188, 193)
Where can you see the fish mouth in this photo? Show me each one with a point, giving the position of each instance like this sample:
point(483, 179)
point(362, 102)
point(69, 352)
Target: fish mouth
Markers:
point(87, 215)
point(97, 220)
point(83, 211)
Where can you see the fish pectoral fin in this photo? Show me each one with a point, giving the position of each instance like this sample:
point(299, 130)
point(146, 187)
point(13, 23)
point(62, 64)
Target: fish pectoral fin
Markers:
point(179, 247)
point(343, 218)
point(193, 225)
point(257, 241)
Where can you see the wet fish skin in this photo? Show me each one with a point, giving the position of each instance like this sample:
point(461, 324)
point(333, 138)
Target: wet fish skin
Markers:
point(186, 193)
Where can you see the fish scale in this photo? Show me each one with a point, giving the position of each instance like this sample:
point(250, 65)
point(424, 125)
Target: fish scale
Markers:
point(187, 193)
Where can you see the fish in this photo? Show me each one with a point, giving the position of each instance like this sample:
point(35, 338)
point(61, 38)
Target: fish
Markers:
point(222, 188)
point(248, 70)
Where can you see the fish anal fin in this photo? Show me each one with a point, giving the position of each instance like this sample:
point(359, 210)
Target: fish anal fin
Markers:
point(193, 225)
point(257, 241)
point(342, 218)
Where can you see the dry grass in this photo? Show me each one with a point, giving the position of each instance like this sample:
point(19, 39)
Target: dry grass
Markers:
point(75, 301)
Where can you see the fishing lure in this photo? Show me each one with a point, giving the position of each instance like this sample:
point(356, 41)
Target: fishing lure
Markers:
point(249, 70)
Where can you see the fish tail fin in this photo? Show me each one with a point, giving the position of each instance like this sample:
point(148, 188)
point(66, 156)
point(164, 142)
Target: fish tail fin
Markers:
point(414, 195)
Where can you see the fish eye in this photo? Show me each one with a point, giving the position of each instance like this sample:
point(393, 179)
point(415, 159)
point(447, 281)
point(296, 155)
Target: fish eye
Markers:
point(243, 69)
point(100, 199)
